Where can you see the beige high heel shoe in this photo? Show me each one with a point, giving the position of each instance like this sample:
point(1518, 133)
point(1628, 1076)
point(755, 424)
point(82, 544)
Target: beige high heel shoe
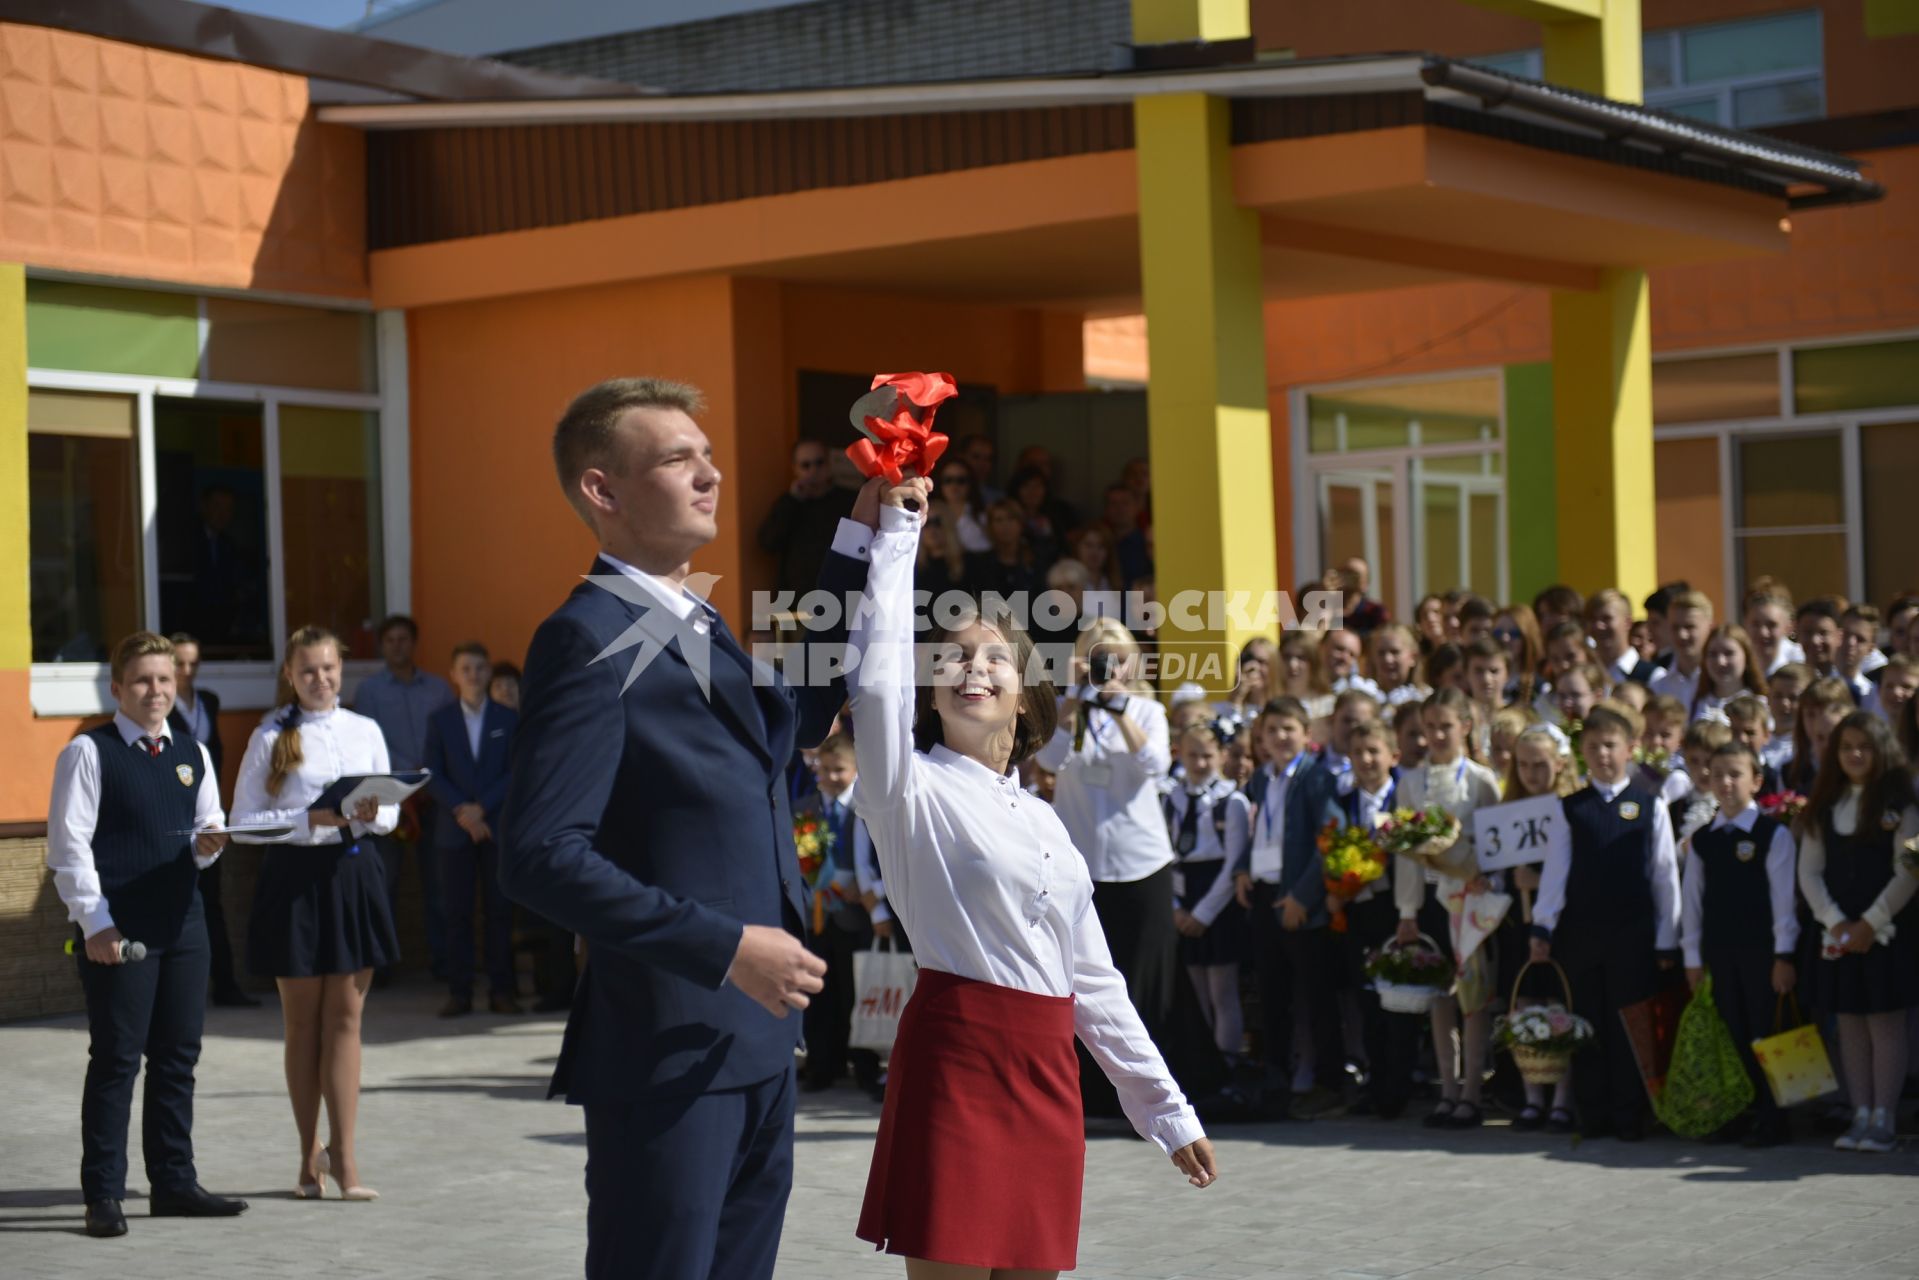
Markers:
point(346, 1192)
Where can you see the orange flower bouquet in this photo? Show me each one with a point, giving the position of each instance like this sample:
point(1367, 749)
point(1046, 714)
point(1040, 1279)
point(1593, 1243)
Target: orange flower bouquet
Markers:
point(1352, 860)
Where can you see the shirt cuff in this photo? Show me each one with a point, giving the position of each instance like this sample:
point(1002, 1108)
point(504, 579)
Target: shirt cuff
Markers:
point(1876, 917)
point(1177, 1131)
point(898, 520)
point(1693, 958)
point(853, 540)
point(95, 920)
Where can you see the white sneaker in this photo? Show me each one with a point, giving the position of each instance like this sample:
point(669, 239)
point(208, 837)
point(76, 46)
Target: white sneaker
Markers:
point(1861, 1126)
point(1879, 1140)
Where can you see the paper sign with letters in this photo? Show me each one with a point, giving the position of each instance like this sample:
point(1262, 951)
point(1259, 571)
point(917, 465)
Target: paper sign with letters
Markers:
point(1520, 833)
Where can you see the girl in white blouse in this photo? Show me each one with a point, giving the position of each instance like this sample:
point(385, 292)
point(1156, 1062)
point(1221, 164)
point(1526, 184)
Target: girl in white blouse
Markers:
point(321, 922)
point(1856, 870)
point(984, 1081)
point(1451, 780)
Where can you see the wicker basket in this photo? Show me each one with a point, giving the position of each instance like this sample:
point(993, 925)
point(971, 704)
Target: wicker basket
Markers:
point(1396, 998)
point(1536, 1065)
point(1401, 997)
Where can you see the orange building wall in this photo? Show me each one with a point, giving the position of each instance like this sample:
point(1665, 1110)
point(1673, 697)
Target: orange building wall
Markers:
point(137, 162)
point(1862, 74)
point(496, 548)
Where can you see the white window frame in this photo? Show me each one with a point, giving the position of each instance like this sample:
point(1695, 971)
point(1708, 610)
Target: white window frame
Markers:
point(1313, 473)
point(1845, 424)
point(81, 688)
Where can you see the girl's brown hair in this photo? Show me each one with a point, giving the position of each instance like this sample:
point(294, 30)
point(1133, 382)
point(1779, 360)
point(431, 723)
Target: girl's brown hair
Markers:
point(1565, 776)
point(1307, 642)
point(286, 755)
point(1451, 699)
point(1531, 650)
point(1824, 692)
point(1754, 680)
point(1889, 790)
point(1034, 724)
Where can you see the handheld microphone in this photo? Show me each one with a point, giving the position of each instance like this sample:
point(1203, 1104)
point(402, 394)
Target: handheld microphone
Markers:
point(129, 951)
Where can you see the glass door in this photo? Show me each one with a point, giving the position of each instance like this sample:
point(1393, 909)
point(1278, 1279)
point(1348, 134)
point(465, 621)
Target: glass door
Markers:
point(1356, 518)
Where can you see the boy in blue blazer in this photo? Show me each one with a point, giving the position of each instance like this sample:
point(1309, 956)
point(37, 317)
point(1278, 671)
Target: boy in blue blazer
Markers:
point(469, 745)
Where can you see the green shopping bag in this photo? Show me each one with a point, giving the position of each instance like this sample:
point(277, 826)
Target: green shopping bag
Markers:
point(1707, 1085)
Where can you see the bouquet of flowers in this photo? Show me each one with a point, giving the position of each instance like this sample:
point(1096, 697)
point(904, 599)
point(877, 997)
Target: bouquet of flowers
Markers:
point(1574, 730)
point(1547, 1029)
point(813, 838)
point(1352, 861)
point(1662, 763)
point(1785, 805)
point(1424, 834)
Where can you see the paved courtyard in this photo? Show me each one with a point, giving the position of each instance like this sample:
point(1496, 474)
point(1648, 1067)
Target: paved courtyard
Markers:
point(481, 1177)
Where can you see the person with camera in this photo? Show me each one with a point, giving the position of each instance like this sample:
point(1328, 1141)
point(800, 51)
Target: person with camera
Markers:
point(1110, 751)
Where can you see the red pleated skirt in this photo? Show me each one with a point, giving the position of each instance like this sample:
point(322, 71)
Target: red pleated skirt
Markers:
point(981, 1155)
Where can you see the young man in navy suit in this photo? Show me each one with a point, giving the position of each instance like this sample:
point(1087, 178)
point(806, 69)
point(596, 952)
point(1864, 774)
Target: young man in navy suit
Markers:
point(648, 811)
point(196, 714)
point(469, 744)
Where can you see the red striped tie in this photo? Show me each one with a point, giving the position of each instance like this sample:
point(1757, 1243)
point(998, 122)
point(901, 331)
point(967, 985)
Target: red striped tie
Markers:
point(153, 747)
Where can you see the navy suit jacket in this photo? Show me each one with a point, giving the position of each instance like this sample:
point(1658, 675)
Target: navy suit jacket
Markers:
point(1301, 870)
point(178, 720)
point(654, 821)
point(460, 779)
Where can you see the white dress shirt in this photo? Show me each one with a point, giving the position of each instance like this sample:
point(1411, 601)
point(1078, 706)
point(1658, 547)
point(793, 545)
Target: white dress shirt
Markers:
point(1268, 856)
point(75, 808)
point(475, 718)
point(1664, 875)
point(1207, 846)
point(983, 875)
point(333, 744)
point(1108, 796)
point(1676, 683)
point(1789, 651)
point(1780, 860)
point(1778, 751)
point(1459, 787)
point(676, 597)
point(1812, 867)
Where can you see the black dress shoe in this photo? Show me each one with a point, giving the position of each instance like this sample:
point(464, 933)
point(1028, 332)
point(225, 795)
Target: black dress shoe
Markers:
point(105, 1219)
point(192, 1201)
point(234, 998)
point(456, 1007)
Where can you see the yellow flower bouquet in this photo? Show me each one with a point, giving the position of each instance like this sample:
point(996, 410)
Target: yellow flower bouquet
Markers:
point(1352, 860)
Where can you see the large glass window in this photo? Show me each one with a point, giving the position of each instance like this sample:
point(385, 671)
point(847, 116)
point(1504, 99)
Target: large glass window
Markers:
point(1411, 477)
point(1889, 470)
point(1716, 388)
point(1791, 514)
point(209, 465)
point(1745, 74)
point(1860, 375)
point(83, 523)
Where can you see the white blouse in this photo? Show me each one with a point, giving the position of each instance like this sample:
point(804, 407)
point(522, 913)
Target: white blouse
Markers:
point(1812, 867)
point(1459, 787)
point(1108, 796)
point(983, 875)
point(333, 744)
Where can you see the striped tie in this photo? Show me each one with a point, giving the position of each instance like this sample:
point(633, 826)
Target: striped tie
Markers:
point(152, 746)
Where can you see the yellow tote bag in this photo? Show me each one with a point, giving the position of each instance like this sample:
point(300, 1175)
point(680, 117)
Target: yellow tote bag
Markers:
point(1795, 1061)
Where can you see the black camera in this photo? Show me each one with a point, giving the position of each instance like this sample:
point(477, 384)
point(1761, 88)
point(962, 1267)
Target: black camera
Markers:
point(1102, 665)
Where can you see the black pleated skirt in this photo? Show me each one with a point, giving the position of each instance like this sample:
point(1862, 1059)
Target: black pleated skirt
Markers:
point(321, 909)
point(1224, 941)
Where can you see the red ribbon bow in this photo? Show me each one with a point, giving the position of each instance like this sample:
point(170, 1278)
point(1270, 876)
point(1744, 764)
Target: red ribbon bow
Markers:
point(908, 441)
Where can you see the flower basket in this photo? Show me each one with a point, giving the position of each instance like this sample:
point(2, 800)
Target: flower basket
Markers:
point(1542, 1039)
point(1408, 979)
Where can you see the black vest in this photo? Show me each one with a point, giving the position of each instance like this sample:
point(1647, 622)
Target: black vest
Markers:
point(1859, 866)
point(1609, 902)
point(146, 872)
point(1736, 909)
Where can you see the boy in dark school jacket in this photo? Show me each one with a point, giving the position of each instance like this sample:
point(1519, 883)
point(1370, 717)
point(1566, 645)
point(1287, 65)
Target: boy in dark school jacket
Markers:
point(1608, 911)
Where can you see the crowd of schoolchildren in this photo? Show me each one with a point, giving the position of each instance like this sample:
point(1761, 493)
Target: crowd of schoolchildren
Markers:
point(1739, 797)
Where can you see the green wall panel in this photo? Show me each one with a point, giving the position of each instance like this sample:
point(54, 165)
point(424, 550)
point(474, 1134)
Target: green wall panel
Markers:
point(101, 329)
point(1531, 513)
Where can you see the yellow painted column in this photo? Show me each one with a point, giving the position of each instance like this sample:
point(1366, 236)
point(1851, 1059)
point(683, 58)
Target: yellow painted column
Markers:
point(1208, 427)
point(1602, 356)
point(16, 630)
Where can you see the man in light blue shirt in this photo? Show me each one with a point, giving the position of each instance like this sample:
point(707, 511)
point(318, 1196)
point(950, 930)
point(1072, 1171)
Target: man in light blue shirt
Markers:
point(399, 700)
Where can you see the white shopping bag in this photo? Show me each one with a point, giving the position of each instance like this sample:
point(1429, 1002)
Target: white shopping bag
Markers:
point(882, 983)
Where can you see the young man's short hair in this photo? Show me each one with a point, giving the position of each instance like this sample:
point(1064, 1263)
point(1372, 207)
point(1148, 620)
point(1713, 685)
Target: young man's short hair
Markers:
point(1475, 609)
point(1689, 600)
point(473, 648)
point(141, 644)
point(393, 620)
point(1613, 717)
point(1486, 648)
point(1829, 607)
point(1862, 612)
point(1560, 599)
point(1798, 672)
point(1748, 709)
point(1665, 706)
point(584, 437)
point(1373, 731)
point(1661, 600)
point(1287, 708)
point(1706, 734)
point(1739, 751)
point(837, 745)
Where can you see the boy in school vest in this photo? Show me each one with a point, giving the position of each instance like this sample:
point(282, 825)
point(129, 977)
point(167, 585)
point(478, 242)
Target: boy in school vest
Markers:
point(1740, 919)
point(127, 798)
point(1608, 911)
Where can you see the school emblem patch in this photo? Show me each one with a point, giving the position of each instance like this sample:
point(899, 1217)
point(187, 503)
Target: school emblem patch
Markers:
point(1746, 849)
point(185, 774)
point(1629, 810)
